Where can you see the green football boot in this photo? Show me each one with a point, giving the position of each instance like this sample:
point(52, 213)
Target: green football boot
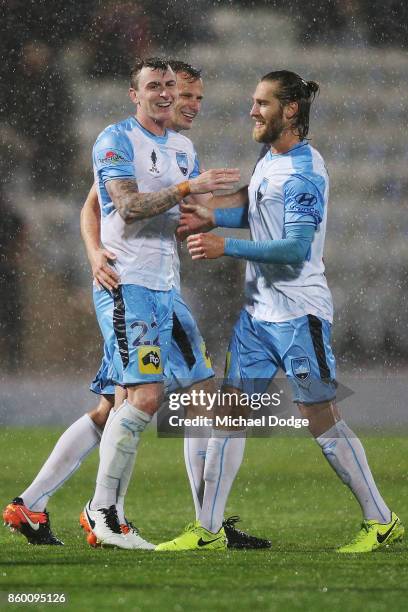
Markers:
point(195, 537)
point(373, 535)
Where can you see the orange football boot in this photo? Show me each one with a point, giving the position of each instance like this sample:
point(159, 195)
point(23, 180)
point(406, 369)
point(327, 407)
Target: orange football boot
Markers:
point(35, 526)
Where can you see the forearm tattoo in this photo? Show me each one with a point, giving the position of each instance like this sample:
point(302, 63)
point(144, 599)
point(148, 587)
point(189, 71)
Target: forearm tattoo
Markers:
point(133, 206)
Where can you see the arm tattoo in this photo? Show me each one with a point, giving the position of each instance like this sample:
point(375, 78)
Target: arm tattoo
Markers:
point(133, 206)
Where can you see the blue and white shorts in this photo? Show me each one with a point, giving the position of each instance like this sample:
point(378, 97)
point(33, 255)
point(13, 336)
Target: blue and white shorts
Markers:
point(136, 325)
point(301, 347)
point(188, 361)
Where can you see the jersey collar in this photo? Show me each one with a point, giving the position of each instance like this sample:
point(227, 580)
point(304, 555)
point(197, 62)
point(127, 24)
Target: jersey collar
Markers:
point(158, 139)
point(298, 145)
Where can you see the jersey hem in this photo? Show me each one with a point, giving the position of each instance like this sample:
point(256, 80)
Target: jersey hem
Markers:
point(254, 312)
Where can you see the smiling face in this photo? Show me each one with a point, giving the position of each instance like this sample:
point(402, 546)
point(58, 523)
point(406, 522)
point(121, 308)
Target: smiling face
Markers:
point(155, 97)
point(268, 113)
point(189, 102)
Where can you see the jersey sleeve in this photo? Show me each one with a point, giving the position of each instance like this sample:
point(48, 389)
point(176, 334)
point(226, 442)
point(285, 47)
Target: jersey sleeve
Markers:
point(302, 198)
point(113, 156)
point(196, 169)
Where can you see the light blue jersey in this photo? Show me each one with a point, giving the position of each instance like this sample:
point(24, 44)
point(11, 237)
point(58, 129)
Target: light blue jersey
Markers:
point(283, 189)
point(145, 250)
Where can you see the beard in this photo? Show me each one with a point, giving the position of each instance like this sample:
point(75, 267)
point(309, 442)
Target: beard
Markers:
point(271, 131)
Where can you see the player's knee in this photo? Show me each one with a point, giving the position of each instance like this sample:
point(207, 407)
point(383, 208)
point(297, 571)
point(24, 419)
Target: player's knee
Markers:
point(202, 398)
point(231, 405)
point(321, 417)
point(100, 414)
point(147, 398)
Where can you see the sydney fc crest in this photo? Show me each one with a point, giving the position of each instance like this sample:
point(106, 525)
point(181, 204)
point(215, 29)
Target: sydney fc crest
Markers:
point(301, 368)
point(261, 190)
point(182, 162)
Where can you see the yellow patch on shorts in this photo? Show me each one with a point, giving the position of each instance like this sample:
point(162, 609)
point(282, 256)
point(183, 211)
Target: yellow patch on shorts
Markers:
point(206, 356)
point(227, 363)
point(149, 358)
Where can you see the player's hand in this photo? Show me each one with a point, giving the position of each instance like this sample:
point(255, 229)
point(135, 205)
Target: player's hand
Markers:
point(104, 275)
point(194, 218)
point(212, 180)
point(205, 246)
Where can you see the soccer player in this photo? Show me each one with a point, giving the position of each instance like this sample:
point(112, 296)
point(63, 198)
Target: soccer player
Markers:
point(143, 171)
point(189, 366)
point(286, 321)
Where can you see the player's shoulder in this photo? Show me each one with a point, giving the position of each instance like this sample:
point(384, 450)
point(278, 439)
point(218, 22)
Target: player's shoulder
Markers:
point(307, 162)
point(306, 155)
point(116, 130)
point(179, 140)
point(316, 156)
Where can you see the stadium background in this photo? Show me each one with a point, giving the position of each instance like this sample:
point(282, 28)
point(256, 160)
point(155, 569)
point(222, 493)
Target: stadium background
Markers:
point(64, 79)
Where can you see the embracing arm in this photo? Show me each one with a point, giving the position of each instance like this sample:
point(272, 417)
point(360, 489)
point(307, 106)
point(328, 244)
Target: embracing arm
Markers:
point(133, 205)
point(198, 218)
point(229, 200)
point(91, 222)
point(98, 256)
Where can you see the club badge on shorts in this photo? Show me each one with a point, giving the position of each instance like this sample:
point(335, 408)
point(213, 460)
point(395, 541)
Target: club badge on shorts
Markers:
point(301, 368)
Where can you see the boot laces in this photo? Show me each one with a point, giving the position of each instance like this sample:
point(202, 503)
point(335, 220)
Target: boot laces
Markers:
point(111, 519)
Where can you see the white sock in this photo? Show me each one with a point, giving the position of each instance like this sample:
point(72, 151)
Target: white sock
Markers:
point(345, 453)
point(66, 457)
point(123, 487)
point(119, 445)
point(194, 457)
point(224, 455)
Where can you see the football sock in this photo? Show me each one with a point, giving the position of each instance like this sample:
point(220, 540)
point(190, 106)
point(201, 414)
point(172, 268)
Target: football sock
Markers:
point(224, 455)
point(194, 457)
point(123, 487)
point(119, 444)
point(66, 457)
point(345, 453)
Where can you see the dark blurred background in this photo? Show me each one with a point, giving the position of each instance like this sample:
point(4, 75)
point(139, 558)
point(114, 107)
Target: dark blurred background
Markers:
point(64, 77)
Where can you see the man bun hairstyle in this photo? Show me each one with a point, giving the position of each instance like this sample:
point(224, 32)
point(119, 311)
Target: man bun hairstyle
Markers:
point(292, 88)
point(193, 74)
point(155, 63)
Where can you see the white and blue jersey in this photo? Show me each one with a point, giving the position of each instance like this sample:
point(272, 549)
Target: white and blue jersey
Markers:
point(283, 188)
point(286, 322)
point(144, 249)
point(147, 256)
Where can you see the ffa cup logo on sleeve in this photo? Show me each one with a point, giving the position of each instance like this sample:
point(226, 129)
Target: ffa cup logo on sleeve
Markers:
point(111, 157)
point(261, 190)
point(182, 162)
point(301, 368)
